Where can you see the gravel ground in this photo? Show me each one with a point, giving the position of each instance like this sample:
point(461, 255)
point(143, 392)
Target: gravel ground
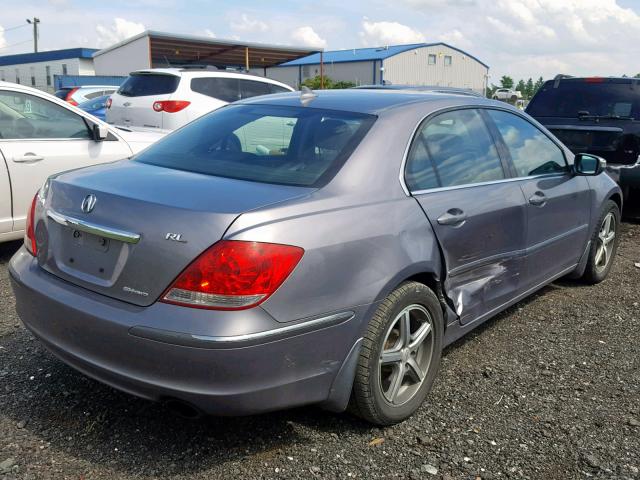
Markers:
point(550, 389)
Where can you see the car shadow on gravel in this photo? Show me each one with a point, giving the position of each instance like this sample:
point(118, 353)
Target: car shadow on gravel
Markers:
point(8, 249)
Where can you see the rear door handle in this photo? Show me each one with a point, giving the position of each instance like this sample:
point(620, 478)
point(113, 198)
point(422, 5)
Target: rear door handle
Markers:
point(453, 217)
point(538, 199)
point(28, 157)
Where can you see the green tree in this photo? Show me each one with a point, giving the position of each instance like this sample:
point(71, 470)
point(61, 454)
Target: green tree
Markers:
point(506, 82)
point(637, 75)
point(537, 86)
point(528, 89)
point(314, 83)
point(521, 87)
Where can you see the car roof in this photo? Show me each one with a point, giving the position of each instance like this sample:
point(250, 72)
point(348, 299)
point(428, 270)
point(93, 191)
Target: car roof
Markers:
point(420, 88)
point(204, 72)
point(374, 101)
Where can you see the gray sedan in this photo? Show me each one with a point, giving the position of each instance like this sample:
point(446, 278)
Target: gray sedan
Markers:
point(315, 248)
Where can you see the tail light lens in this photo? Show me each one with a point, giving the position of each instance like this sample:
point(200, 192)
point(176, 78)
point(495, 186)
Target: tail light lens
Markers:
point(170, 106)
point(70, 94)
point(30, 234)
point(234, 275)
point(108, 102)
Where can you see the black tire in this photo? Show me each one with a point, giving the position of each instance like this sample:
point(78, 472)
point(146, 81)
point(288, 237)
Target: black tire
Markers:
point(595, 273)
point(367, 398)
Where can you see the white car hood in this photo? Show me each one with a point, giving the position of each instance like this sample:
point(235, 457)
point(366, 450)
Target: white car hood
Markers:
point(139, 138)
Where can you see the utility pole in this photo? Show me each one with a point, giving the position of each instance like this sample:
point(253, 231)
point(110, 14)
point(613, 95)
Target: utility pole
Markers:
point(35, 23)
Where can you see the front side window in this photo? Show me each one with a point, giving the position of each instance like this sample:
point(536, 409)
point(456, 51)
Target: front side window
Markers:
point(432, 59)
point(26, 116)
point(298, 146)
point(457, 149)
point(532, 152)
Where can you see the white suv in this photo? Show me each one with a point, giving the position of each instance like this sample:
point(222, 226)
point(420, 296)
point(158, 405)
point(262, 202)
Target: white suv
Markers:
point(168, 98)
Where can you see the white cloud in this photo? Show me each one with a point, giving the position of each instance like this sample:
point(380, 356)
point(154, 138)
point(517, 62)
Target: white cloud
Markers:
point(118, 31)
point(307, 36)
point(524, 38)
point(248, 24)
point(209, 33)
point(388, 33)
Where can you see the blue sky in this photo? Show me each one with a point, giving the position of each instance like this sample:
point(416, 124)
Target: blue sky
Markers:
point(521, 38)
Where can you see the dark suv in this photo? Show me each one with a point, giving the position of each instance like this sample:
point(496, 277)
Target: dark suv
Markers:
point(596, 115)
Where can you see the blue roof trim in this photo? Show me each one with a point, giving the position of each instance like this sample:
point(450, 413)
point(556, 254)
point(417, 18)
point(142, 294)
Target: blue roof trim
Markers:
point(368, 54)
point(47, 56)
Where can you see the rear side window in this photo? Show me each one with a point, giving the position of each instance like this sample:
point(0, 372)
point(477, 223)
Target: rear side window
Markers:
point(532, 152)
point(451, 149)
point(597, 98)
point(231, 89)
point(263, 143)
point(225, 89)
point(144, 84)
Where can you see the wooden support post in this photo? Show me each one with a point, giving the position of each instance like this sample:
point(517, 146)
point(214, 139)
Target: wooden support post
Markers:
point(246, 58)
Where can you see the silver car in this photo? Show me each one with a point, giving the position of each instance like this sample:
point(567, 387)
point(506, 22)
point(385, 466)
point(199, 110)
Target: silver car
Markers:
point(315, 248)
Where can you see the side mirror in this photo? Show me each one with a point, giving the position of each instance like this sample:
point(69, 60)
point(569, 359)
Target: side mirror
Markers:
point(588, 165)
point(100, 132)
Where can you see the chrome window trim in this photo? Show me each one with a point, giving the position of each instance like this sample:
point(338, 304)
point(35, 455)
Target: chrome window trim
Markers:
point(95, 229)
point(403, 164)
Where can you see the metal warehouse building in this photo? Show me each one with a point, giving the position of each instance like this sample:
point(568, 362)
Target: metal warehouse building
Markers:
point(416, 64)
point(37, 69)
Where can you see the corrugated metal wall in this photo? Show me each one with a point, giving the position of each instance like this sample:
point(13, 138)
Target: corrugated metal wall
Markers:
point(413, 68)
point(361, 73)
point(125, 59)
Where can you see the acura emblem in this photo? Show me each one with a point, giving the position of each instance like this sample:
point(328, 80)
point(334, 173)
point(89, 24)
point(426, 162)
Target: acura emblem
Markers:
point(88, 203)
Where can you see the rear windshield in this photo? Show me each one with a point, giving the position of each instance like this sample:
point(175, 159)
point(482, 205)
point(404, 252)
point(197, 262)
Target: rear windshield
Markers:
point(143, 84)
point(579, 98)
point(263, 143)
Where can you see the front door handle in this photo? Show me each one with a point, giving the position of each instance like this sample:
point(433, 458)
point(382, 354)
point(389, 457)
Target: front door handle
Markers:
point(538, 199)
point(453, 217)
point(28, 157)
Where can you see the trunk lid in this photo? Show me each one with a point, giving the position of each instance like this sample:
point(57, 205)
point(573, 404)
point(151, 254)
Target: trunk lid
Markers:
point(175, 214)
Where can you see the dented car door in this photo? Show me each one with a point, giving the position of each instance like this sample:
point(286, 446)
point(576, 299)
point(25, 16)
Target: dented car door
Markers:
point(477, 212)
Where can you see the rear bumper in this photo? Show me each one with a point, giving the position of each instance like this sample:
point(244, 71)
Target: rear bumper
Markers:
point(210, 363)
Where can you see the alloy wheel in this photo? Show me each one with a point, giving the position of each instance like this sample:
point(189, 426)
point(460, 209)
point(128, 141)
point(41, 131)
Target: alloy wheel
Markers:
point(606, 237)
point(406, 354)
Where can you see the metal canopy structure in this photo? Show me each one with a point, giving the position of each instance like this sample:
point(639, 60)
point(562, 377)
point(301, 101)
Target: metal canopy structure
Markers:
point(168, 49)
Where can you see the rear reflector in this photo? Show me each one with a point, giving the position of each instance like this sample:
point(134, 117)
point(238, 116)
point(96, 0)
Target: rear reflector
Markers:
point(170, 106)
point(234, 275)
point(30, 234)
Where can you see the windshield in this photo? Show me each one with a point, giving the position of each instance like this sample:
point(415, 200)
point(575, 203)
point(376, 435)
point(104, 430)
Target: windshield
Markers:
point(263, 143)
point(143, 84)
point(583, 99)
point(95, 103)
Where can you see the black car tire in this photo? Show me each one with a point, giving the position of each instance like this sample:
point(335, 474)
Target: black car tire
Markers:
point(367, 398)
point(593, 274)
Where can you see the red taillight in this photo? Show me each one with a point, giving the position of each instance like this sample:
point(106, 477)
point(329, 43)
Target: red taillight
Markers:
point(70, 94)
point(170, 106)
point(30, 234)
point(233, 275)
point(109, 102)
point(594, 80)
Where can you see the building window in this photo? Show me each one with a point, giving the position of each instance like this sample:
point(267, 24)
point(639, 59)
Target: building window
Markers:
point(17, 75)
point(32, 71)
point(447, 60)
point(48, 73)
point(432, 59)
point(64, 68)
